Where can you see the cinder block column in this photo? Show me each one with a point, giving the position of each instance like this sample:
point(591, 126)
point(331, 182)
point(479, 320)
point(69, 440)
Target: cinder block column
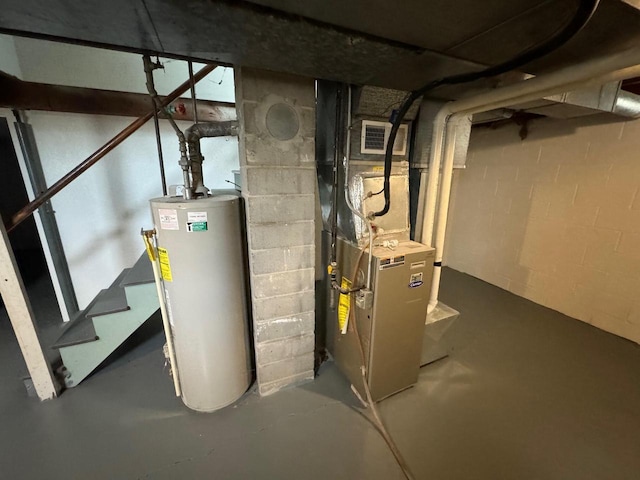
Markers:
point(276, 113)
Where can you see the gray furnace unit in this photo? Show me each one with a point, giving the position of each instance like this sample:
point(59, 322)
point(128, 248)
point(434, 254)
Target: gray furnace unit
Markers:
point(391, 328)
point(387, 297)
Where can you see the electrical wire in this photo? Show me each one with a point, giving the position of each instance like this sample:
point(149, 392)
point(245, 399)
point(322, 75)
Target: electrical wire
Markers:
point(583, 14)
point(375, 418)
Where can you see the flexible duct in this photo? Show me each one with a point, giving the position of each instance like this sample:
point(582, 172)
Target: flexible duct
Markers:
point(627, 104)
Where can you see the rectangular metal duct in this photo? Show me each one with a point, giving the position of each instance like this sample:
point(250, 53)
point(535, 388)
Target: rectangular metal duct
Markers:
point(609, 98)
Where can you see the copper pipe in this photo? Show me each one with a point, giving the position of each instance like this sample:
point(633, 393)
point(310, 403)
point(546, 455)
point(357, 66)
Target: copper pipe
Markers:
point(102, 151)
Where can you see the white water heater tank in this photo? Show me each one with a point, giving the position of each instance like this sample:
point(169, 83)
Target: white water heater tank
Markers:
point(201, 252)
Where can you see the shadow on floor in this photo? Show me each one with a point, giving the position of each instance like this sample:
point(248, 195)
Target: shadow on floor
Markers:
point(527, 393)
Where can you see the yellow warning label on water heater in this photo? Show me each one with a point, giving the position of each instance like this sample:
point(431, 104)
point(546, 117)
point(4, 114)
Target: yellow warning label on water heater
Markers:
point(165, 266)
point(343, 306)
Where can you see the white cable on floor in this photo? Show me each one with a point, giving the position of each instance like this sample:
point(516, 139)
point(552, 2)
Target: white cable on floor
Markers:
point(375, 419)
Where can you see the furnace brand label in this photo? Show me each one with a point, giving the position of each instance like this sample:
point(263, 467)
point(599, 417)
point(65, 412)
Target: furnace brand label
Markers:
point(165, 266)
point(415, 280)
point(168, 219)
point(197, 222)
point(391, 262)
point(344, 303)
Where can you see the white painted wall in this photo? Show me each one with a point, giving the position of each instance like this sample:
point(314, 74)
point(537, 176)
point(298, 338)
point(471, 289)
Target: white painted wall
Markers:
point(8, 56)
point(101, 213)
point(77, 66)
point(9, 64)
point(555, 218)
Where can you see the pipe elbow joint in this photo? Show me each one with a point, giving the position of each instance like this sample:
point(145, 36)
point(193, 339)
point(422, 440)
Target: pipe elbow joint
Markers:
point(211, 129)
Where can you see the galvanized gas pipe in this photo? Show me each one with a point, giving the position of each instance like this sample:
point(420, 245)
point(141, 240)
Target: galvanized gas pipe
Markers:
point(32, 206)
point(595, 72)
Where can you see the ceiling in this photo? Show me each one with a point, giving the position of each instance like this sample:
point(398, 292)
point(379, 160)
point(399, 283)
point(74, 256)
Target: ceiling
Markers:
point(394, 44)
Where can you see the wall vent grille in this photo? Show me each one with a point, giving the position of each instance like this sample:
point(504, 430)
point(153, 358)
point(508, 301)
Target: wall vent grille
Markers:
point(376, 134)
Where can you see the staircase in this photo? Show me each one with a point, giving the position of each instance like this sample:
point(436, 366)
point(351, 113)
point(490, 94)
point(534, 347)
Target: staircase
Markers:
point(110, 319)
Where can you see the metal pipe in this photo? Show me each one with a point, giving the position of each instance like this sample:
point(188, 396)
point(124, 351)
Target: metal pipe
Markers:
point(627, 104)
point(101, 152)
point(151, 245)
point(60, 266)
point(156, 126)
point(443, 210)
point(149, 67)
point(334, 191)
point(210, 129)
point(589, 74)
point(432, 181)
point(193, 93)
point(193, 134)
point(592, 73)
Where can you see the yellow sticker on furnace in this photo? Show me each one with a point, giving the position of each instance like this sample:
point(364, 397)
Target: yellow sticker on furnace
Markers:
point(165, 266)
point(343, 306)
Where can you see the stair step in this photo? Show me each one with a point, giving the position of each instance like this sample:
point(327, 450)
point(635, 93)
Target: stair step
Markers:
point(78, 330)
point(141, 273)
point(107, 302)
point(112, 330)
point(110, 300)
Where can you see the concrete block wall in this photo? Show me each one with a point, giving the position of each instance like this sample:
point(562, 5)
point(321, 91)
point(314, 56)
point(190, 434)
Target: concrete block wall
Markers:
point(555, 218)
point(277, 161)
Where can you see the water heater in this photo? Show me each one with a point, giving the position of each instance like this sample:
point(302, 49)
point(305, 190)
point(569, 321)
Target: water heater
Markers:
point(201, 254)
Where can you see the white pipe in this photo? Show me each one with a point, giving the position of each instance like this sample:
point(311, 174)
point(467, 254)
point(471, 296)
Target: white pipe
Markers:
point(443, 209)
point(592, 73)
point(165, 317)
point(437, 140)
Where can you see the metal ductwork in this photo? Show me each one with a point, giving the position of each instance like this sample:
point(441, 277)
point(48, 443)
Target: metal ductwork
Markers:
point(372, 109)
point(608, 98)
point(627, 104)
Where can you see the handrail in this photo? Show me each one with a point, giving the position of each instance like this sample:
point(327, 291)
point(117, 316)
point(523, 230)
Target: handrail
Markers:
point(32, 206)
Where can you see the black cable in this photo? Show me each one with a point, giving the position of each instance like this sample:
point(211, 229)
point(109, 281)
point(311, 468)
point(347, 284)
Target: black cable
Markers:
point(337, 155)
point(583, 14)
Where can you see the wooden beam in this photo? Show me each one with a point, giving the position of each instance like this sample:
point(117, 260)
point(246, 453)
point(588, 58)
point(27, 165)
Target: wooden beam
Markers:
point(20, 313)
point(20, 95)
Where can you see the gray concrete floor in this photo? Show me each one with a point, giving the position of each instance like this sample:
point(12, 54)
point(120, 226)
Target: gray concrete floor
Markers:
point(527, 394)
